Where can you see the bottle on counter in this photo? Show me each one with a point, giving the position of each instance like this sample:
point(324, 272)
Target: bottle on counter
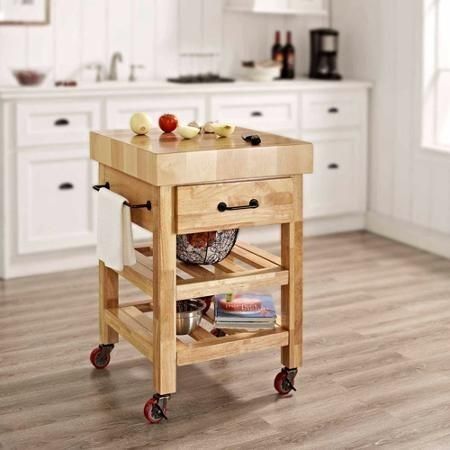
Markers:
point(277, 49)
point(288, 70)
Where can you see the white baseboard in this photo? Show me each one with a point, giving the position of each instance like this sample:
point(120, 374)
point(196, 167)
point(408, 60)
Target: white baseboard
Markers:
point(407, 233)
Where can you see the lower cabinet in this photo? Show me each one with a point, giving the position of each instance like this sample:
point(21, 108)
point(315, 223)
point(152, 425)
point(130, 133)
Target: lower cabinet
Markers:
point(54, 200)
point(338, 184)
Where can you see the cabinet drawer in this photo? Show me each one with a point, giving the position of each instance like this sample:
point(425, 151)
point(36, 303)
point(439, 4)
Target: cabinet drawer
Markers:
point(187, 108)
point(330, 110)
point(198, 205)
point(55, 123)
point(268, 112)
point(337, 185)
point(55, 200)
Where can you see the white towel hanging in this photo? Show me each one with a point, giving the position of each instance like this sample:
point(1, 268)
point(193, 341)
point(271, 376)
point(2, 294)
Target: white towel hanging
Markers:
point(114, 233)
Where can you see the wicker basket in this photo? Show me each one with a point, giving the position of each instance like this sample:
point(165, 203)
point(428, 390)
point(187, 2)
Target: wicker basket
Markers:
point(206, 248)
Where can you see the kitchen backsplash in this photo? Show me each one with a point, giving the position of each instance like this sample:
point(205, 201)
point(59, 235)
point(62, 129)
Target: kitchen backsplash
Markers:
point(148, 32)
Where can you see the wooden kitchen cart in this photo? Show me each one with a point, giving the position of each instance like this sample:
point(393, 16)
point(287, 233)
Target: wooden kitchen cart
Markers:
point(178, 185)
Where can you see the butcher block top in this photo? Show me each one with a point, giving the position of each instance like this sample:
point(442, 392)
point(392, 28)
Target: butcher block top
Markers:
point(164, 159)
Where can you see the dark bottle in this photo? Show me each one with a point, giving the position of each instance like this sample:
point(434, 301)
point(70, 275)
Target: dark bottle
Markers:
point(277, 49)
point(288, 71)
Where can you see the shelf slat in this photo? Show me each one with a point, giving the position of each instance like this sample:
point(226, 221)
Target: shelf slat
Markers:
point(214, 348)
point(125, 323)
point(234, 282)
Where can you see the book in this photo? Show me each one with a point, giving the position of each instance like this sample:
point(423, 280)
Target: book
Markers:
point(249, 309)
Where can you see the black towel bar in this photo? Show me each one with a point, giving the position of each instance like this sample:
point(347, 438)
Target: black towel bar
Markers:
point(147, 205)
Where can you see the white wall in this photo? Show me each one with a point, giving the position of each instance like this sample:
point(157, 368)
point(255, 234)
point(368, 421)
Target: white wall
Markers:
point(146, 32)
point(381, 40)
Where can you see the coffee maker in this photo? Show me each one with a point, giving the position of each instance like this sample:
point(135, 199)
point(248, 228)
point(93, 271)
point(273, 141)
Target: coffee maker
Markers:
point(324, 48)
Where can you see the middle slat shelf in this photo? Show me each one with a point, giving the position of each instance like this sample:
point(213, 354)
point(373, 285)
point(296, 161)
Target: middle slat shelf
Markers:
point(246, 267)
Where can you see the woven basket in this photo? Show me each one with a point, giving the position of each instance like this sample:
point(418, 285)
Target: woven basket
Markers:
point(206, 248)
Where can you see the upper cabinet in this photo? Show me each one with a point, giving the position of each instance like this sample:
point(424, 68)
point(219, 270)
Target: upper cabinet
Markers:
point(199, 26)
point(301, 7)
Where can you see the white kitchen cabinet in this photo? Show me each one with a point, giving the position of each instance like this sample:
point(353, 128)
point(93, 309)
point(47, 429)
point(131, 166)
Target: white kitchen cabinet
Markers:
point(271, 112)
point(55, 122)
point(186, 108)
point(55, 200)
point(301, 7)
point(337, 185)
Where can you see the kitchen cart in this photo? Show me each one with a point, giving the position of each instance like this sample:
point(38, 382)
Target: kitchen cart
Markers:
point(176, 186)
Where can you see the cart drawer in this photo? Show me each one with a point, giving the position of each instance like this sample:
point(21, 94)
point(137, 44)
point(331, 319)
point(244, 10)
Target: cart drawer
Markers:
point(205, 207)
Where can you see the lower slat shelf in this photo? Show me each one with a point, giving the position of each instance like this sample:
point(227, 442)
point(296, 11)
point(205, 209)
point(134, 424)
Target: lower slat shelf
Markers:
point(132, 323)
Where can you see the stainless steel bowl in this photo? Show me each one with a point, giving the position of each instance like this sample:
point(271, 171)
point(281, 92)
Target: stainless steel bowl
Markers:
point(189, 315)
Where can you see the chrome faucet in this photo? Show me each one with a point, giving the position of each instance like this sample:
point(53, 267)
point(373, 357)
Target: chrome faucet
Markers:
point(116, 57)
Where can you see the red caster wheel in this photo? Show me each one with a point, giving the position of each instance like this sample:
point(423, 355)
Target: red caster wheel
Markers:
point(156, 408)
point(284, 381)
point(101, 356)
point(217, 332)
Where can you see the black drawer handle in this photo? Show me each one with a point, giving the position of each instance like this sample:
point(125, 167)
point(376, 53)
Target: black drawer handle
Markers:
point(65, 186)
point(252, 204)
point(61, 122)
point(333, 166)
point(333, 110)
point(256, 114)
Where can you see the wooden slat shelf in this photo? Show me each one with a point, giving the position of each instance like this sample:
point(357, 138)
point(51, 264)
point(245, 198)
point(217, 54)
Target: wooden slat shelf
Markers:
point(246, 267)
point(132, 322)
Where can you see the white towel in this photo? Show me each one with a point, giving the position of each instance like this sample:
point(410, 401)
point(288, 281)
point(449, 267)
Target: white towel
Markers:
point(115, 237)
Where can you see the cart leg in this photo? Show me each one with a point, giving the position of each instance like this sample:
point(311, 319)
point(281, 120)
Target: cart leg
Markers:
point(108, 298)
point(292, 294)
point(164, 292)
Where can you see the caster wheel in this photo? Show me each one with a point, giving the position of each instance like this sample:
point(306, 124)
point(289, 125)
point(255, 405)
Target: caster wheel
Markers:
point(101, 356)
point(284, 381)
point(217, 332)
point(155, 409)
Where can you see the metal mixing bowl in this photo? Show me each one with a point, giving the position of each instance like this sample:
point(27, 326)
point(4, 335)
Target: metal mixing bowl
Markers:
point(189, 315)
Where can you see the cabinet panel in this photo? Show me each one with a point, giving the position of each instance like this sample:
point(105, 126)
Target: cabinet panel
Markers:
point(55, 200)
point(337, 185)
point(42, 123)
point(268, 112)
point(186, 108)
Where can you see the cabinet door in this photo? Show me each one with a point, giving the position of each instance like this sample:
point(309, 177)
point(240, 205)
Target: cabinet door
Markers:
point(55, 200)
point(337, 185)
point(186, 108)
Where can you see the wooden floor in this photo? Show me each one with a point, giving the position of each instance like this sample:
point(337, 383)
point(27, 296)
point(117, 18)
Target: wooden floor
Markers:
point(376, 370)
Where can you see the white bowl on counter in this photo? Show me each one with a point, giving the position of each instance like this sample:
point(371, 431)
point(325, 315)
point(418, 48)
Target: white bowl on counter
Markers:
point(261, 73)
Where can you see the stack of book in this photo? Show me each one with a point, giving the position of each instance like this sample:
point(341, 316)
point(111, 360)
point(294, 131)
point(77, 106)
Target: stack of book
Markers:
point(244, 311)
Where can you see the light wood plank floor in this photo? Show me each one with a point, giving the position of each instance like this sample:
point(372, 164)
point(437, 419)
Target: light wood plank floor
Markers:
point(376, 370)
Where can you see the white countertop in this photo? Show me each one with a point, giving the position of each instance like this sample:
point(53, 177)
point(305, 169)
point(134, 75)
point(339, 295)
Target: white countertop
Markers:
point(163, 87)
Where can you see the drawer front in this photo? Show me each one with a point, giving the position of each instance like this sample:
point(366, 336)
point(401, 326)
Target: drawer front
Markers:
point(198, 205)
point(39, 124)
point(337, 185)
point(55, 200)
point(268, 112)
point(331, 110)
point(186, 108)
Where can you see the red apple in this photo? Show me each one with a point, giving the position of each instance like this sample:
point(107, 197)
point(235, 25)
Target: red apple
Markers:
point(168, 122)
